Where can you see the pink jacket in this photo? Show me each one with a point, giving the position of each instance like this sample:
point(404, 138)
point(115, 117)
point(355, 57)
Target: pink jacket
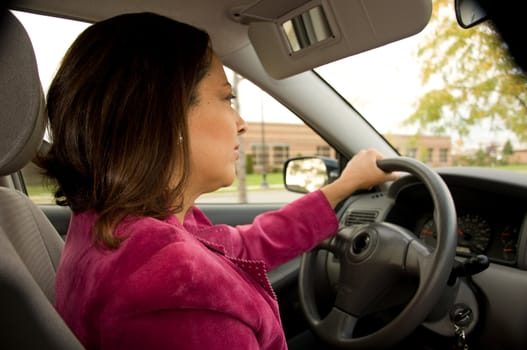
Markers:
point(190, 286)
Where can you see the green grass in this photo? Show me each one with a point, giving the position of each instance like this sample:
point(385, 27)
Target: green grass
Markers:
point(513, 167)
point(256, 179)
point(36, 190)
point(253, 181)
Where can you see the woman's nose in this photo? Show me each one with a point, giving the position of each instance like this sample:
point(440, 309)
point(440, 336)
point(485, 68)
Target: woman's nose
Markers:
point(242, 125)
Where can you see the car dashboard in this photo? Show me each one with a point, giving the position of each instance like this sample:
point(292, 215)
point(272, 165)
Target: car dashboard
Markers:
point(491, 207)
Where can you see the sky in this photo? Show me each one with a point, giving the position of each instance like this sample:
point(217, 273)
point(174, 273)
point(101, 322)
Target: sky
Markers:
point(383, 92)
point(50, 44)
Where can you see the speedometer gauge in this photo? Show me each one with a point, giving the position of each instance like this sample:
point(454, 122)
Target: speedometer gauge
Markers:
point(473, 234)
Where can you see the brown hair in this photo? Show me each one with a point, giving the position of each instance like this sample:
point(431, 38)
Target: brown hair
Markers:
point(118, 118)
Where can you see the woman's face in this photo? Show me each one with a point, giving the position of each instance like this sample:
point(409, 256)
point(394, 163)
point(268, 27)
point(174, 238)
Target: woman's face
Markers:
point(214, 127)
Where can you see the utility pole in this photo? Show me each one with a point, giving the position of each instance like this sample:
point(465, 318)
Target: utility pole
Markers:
point(265, 184)
point(241, 169)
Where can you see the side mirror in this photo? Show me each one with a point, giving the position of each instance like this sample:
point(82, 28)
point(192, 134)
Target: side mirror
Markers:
point(307, 174)
point(469, 13)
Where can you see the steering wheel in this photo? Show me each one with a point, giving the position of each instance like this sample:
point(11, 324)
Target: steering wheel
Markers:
point(372, 258)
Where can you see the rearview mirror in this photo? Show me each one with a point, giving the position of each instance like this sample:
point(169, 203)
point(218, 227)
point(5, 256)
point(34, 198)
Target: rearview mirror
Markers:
point(469, 13)
point(307, 174)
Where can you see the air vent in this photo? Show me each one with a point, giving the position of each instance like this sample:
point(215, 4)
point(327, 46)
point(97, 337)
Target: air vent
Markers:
point(361, 217)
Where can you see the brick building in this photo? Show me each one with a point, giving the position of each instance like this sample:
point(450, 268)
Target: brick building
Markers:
point(282, 141)
point(518, 157)
point(435, 151)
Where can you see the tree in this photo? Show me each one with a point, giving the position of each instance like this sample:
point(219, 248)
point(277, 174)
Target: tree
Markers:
point(507, 148)
point(507, 151)
point(469, 79)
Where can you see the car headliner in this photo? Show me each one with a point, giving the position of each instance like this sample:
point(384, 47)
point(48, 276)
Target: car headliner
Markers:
point(212, 16)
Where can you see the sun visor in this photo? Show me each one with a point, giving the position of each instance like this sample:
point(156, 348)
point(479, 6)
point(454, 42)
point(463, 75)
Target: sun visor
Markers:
point(292, 36)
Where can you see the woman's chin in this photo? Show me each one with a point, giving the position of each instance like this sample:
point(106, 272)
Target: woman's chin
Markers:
point(228, 181)
point(214, 184)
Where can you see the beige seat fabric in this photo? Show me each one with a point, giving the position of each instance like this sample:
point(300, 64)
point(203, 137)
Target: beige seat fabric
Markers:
point(29, 245)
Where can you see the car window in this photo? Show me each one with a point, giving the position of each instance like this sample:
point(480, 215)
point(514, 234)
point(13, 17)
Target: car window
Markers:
point(50, 46)
point(445, 96)
point(274, 133)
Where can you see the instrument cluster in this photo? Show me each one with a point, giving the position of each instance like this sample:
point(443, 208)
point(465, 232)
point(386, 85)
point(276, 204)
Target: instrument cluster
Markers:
point(478, 234)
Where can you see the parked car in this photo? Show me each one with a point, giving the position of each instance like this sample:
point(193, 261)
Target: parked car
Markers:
point(433, 260)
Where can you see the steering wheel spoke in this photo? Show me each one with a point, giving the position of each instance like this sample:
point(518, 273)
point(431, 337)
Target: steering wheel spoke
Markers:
point(337, 323)
point(329, 244)
point(418, 258)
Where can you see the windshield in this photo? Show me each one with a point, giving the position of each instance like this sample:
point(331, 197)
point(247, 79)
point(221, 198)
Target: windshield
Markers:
point(446, 96)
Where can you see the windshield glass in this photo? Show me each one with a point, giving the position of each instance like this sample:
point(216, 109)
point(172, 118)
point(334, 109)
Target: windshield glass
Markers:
point(446, 96)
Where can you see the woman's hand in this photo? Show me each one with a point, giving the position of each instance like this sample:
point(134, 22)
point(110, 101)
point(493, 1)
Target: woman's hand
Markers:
point(361, 172)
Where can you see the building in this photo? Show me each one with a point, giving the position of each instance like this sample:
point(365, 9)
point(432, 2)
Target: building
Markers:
point(518, 157)
point(278, 141)
point(435, 151)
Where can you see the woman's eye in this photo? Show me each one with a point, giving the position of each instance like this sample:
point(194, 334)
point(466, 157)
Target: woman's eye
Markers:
point(230, 98)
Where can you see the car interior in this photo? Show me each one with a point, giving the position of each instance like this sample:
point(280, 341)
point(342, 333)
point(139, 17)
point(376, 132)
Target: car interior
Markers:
point(436, 259)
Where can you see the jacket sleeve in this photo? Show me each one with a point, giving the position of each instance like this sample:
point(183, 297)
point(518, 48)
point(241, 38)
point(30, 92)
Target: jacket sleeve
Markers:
point(182, 330)
point(279, 236)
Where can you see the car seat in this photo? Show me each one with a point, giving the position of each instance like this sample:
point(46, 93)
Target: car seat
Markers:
point(30, 247)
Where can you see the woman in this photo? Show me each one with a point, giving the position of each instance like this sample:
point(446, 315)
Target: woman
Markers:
point(142, 124)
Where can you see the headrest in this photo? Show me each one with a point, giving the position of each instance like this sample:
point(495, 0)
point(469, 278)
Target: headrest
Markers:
point(22, 107)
